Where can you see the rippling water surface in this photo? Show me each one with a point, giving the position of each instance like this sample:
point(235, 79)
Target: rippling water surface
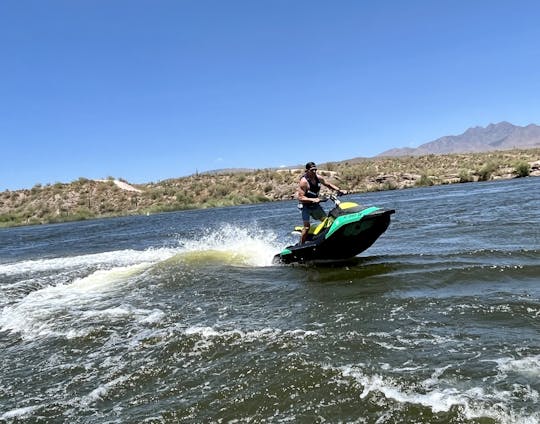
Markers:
point(182, 318)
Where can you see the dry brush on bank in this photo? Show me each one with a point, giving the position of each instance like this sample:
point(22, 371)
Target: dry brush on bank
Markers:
point(86, 199)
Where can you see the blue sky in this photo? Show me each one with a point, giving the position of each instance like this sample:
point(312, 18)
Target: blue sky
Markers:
point(149, 90)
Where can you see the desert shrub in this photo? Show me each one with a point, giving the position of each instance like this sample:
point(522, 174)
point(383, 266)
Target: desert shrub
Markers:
point(184, 198)
point(198, 187)
point(424, 180)
point(106, 207)
point(522, 169)
point(81, 181)
point(220, 190)
point(9, 218)
point(331, 166)
point(390, 185)
point(82, 213)
point(487, 171)
point(154, 194)
point(43, 210)
point(464, 176)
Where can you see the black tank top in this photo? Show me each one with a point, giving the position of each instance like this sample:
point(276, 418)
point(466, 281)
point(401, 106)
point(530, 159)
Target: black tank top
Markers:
point(314, 188)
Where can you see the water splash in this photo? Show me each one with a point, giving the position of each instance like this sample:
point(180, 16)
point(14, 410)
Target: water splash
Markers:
point(35, 313)
point(232, 244)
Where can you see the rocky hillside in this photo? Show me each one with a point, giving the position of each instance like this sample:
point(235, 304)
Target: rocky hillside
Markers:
point(501, 136)
point(85, 199)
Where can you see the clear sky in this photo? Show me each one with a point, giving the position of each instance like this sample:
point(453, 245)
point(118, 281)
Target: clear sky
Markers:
point(152, 89)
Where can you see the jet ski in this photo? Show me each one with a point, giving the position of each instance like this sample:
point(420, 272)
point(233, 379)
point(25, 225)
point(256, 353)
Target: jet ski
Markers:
point(346, 231)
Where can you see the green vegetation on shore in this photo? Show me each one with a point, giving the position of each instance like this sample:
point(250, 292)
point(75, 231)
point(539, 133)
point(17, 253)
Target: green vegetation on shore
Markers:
point(87, 199)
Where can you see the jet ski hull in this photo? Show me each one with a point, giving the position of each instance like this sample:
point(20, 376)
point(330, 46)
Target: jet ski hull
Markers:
point(348, 236)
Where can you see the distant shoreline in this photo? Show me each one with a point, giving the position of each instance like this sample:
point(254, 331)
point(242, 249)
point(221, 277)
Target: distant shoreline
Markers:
point(91, 199)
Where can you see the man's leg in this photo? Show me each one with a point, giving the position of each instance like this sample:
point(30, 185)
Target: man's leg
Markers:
point(305, 232)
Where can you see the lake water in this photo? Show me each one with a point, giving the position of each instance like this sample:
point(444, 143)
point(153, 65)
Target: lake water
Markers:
point(181, 317)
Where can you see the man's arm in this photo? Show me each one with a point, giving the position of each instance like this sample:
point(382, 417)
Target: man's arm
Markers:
point(332, 186)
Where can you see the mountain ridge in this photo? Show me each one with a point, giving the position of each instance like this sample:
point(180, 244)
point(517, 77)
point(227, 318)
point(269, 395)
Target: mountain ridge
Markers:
point(500, 136)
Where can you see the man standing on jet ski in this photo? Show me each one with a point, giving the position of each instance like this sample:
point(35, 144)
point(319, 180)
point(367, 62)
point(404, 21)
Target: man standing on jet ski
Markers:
point(308, 196)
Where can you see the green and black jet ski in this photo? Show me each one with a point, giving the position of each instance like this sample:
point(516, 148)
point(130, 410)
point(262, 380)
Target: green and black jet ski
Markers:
point(346, 231)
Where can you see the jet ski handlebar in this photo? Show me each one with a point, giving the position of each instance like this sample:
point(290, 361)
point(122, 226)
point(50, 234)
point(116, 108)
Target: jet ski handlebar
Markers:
point(333, 197)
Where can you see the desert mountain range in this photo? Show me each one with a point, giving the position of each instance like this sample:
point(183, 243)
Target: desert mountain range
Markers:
point(501, 136)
